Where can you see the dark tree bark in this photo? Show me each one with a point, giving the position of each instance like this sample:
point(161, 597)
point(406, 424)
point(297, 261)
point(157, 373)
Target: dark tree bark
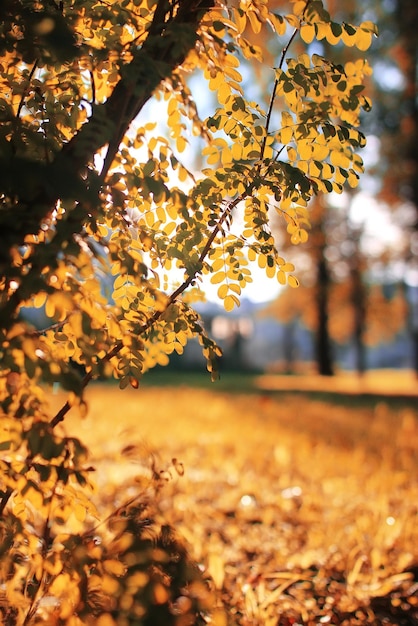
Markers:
point(323, 340)
point(323, 348)
point(358, 300)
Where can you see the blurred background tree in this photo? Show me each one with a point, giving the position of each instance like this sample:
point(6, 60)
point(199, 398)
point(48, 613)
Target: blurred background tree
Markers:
point(359, 270)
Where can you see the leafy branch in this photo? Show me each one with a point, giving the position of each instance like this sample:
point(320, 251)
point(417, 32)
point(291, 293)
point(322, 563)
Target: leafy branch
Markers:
point(60, 415)
point(106, 126)
point(276, 84)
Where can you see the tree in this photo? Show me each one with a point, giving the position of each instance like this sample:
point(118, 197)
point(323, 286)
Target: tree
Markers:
point(392, 124)
point(324, 269)
point(88, 188)
point(323, 220)
point(395, 122)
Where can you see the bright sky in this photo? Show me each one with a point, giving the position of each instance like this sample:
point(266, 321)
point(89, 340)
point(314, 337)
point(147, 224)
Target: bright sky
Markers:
point(379, 228)
point(261, 289)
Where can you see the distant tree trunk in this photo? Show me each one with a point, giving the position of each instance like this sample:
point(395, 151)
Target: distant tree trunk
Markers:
point(359, 321)
point(358, 300)
point(323, 340)
point(289, 346)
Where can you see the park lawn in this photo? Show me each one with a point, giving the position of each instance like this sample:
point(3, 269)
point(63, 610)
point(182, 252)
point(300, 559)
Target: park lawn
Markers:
point(302, 511)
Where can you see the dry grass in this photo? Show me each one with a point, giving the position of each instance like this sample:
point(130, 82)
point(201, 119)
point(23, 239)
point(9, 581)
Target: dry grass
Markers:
point(301, 511)
point(381, 382)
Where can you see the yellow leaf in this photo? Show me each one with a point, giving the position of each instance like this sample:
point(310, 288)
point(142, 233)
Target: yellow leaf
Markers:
point(105, 619)
point(218, 278)
point(119, 281)
point(353, 179)
point(278, 23)
point(319, 152)
point(307, 33)
point(80, 512)
point(268, 152)
point(39, 300)
point(339, 159)
point(240, 20)
point(222, 291)
point(293, 20)
point(112, 566)
point(236, 288)
point(369, 26)
point(236, 151)
point(363, 39)
point(254, 21)
point(270, 271)
point(314, 170)
point(292, 154)
point(49, 308)
point(287, 267)
point(305, 150)
point(224, 91)
point(181, 144)
point(286, 135)
point(321, 30)
point(262, 261)
point(169, 227)
point(60, 584)
point(218, 263)
point(292, 281)
point(34, 497)
point(348, 40)
point(327, 171)
point(109, 585)
point(299, 7)
point(281, 277)
point(226, 156)
point(304, 59)
point(230, 302)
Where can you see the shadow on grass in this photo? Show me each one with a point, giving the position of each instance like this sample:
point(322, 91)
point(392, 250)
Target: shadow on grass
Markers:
point(248, 383)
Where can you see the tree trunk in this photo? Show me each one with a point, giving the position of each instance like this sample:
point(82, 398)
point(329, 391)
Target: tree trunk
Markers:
point(289, 346)
point(358, 300)
point(323, 340)
point(359, 322)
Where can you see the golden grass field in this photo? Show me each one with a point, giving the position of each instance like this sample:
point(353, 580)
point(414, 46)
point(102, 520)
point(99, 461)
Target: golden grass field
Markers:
point(302, 511)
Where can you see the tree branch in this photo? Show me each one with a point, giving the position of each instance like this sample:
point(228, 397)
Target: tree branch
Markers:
point(161, 53)
point(25, 91)
point(276, 83)
point(59, 417)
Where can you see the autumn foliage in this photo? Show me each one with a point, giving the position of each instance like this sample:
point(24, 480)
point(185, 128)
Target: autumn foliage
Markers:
point(98, 208)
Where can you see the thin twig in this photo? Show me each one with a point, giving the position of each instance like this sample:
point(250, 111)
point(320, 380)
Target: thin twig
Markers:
point(41, 331)
point(25, 91)
point(93, 88)
point(5, 499)
point(276, 84)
